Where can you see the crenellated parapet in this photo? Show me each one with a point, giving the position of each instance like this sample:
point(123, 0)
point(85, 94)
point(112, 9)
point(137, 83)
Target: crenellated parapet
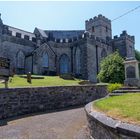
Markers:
point(124, 35)
point(96, 18)
point(124, 44)
point(99, 26)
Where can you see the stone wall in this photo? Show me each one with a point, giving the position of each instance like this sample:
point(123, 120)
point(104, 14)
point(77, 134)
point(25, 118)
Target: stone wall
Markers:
point(20, 101)
point(103, 127)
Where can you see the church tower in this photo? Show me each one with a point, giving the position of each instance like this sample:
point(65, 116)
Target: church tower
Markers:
point(99, 27)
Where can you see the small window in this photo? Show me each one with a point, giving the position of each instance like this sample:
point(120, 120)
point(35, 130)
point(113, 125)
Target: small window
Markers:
point(18, 35)
point(26, 37)
point(106, 28)
point(93, 29)
point(33, 39)
point(10, 33)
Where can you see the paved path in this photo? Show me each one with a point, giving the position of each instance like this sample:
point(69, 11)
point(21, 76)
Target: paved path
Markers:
point(66, 124)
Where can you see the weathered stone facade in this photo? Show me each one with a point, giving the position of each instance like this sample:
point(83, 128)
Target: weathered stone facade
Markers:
point(20, 101)
point(58, 52)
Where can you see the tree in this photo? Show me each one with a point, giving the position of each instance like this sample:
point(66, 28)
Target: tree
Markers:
point(112, 69)
point(137, 55)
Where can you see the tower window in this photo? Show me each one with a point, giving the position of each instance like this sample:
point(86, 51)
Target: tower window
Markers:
point(106, 29)
point(93, 29)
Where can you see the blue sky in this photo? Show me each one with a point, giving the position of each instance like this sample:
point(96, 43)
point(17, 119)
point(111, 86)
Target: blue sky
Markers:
point(64, 15)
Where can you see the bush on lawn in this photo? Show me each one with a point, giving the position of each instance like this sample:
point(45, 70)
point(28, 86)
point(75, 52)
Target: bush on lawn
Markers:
point(112, 87)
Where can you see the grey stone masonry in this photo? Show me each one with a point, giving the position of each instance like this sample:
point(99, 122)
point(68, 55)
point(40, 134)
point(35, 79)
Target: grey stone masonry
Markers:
point(57, 52)
point(20, 101)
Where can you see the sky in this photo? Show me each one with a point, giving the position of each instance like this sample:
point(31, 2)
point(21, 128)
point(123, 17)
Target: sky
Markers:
point(71, 15)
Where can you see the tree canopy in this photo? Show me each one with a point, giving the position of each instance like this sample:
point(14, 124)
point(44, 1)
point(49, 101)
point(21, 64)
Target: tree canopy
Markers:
point(112, 69)
point(137, 55)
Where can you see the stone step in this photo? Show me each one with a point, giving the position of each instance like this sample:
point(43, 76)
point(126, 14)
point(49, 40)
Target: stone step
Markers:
point(126, 91)
point(118, 94)
point(129, 88)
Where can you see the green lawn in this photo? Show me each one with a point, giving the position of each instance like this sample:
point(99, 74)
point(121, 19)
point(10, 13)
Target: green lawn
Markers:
point(125, 107)
point(47, 81)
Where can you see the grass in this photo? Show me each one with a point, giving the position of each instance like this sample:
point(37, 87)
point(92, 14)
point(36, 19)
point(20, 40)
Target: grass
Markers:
point(47, 81)
point(125, 107)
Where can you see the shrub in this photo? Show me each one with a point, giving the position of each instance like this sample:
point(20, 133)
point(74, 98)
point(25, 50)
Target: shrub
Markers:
point(112, 69)
point(113, 86)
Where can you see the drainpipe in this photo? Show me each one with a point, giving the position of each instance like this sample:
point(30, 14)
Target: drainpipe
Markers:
point(97, 59)
point(71, 59)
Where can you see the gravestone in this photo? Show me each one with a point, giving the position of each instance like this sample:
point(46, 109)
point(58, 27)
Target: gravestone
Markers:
point(131, 72)
point(29, 79)
point(4, 70)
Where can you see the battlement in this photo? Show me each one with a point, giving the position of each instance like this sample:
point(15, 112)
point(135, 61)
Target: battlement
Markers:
point(96, 18)
point(124, 34)
point(85, 35)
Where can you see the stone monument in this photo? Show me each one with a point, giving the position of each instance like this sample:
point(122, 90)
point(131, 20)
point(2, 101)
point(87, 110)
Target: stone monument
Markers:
point(131, 72)
point(4, 70)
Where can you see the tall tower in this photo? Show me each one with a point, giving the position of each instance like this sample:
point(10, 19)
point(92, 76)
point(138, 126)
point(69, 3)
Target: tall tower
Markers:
point(99, 26)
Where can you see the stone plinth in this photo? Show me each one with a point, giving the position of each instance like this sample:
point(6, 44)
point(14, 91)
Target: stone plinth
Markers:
point(131, 72)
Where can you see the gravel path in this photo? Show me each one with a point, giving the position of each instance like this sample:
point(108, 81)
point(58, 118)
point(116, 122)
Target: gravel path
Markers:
point(68, 124)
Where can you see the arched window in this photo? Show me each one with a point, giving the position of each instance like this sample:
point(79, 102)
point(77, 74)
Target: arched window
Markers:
point(78, 61)
point(64, 64)
point(45, 60)
point(103, 53)
point(20, 59)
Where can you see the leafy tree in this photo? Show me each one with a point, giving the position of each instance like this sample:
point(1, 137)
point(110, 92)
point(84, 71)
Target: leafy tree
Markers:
point(112, 69)
point(137, 55)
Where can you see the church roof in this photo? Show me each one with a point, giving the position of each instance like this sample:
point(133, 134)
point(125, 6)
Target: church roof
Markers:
point(13, 29)
point(65, 33)
point(42, 32)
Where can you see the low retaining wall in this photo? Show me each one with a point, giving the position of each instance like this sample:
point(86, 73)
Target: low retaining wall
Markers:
point(103, 127)
point(20, 101)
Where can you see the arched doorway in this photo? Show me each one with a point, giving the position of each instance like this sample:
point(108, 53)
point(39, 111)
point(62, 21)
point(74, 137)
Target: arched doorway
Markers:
point(64, 64)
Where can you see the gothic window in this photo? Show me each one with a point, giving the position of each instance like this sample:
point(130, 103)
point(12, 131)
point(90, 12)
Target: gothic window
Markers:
point(64, 64)
point(93, 29)
point(103, 53)
point(20, 59)
point(78, 61)
point(45, 59)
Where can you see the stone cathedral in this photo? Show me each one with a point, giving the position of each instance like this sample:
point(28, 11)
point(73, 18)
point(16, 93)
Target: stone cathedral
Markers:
point(54, 52)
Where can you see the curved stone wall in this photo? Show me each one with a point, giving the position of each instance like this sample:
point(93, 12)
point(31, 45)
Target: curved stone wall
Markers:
point(20, 101)
point(103, 127)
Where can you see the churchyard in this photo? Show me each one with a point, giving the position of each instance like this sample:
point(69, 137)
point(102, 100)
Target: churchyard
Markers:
point(21, 81)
